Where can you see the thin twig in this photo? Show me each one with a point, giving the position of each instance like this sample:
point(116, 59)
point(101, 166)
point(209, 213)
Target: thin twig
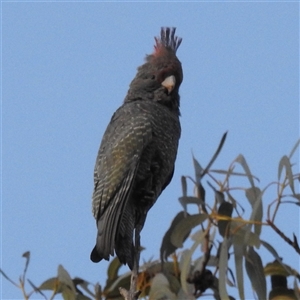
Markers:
point(284, 237)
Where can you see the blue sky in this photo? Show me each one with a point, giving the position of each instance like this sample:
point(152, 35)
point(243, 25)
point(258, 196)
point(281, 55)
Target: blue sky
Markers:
point(66, 67)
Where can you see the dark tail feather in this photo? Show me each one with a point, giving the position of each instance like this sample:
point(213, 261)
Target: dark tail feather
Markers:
point(125, 252)
point(124, 240)
point(95, 257)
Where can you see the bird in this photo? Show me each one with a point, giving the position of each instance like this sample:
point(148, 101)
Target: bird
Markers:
point(137, 154)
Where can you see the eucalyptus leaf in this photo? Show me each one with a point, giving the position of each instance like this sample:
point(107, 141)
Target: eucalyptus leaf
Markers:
point(52, 284)
point(225, 209)
point(184, 227)
point(27, 256)
point(255, 271)
point(185, 262)
point(160, 288)
point(184, 186)
point(112, 271)
point(254, 195)
point(223, 262)
point(242, 161)
point(242, 234)
point(285, 163)
point(294, 149)
point(238, 259)
point(65, 278)
point(167, 247)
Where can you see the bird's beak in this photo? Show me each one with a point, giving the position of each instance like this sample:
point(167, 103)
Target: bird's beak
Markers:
point(169, 83)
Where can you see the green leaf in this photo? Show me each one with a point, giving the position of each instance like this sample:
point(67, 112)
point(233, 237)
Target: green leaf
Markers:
point(255, 271)
point(198, 169)
point(285, 162)
point(185, 262)
point(184, 186)
point(225, 209)
point(219, 196)
point(189, 200)
point(238, 259)
point(223, 270)
point(112, 271)
point(243, 235)
point(184, 226)
point(270, 249)
point(294, 149)
point(186, 296)
point(296, 288)
point(68, 288)
point(83, 284)
point(215, 154)
point(174, 283)
point(296, 196)
point(167, 247)
point(122, 281)
point(98, 291)
point(254, 195)
point(82, 297)
point(27, 256)
point(160, 288)
point(242, 161)
point(52, 284)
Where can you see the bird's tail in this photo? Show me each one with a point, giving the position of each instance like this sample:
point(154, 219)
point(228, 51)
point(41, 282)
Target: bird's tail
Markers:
point(124, 239)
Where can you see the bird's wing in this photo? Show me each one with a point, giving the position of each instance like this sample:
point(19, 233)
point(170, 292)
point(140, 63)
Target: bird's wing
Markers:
point(116, 167)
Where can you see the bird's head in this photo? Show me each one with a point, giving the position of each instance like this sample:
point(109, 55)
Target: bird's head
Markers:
point(159, 78)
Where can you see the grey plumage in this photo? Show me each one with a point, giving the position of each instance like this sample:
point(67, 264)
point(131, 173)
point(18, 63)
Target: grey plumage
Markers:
point(136, 158)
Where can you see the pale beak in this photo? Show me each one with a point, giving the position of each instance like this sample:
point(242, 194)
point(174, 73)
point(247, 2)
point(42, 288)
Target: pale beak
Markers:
point(169, 83)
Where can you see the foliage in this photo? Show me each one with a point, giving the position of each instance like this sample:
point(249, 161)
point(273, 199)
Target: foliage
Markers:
point(217, 232)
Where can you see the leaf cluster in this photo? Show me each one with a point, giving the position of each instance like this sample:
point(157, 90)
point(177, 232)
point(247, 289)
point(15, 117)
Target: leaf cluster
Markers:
point(204, 252)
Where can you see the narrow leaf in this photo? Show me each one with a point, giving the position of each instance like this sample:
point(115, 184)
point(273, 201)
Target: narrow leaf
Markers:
point(184, 226)
point(294, 149)
point(27, 256)
point(184, 186)
point(68, 289)
point(160, 288)
point(238, 258)
point(189, 200)
point(243, 235)
point(64, 277)
point(83, 285)
point(270, 249)
point(254, 195)
point(185, 262)
point(255, 271)
point(225, 209)
point(186, 296)
point(242, 161)
point(223, 270)
point(167, 247)
point(219, 196)
point(198, 169)
point(216, 154)
point(51, 284)
point(296, 288)
point(285, 162)
point(113, 269)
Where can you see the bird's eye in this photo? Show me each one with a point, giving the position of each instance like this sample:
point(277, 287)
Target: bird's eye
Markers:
point(153, 77)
